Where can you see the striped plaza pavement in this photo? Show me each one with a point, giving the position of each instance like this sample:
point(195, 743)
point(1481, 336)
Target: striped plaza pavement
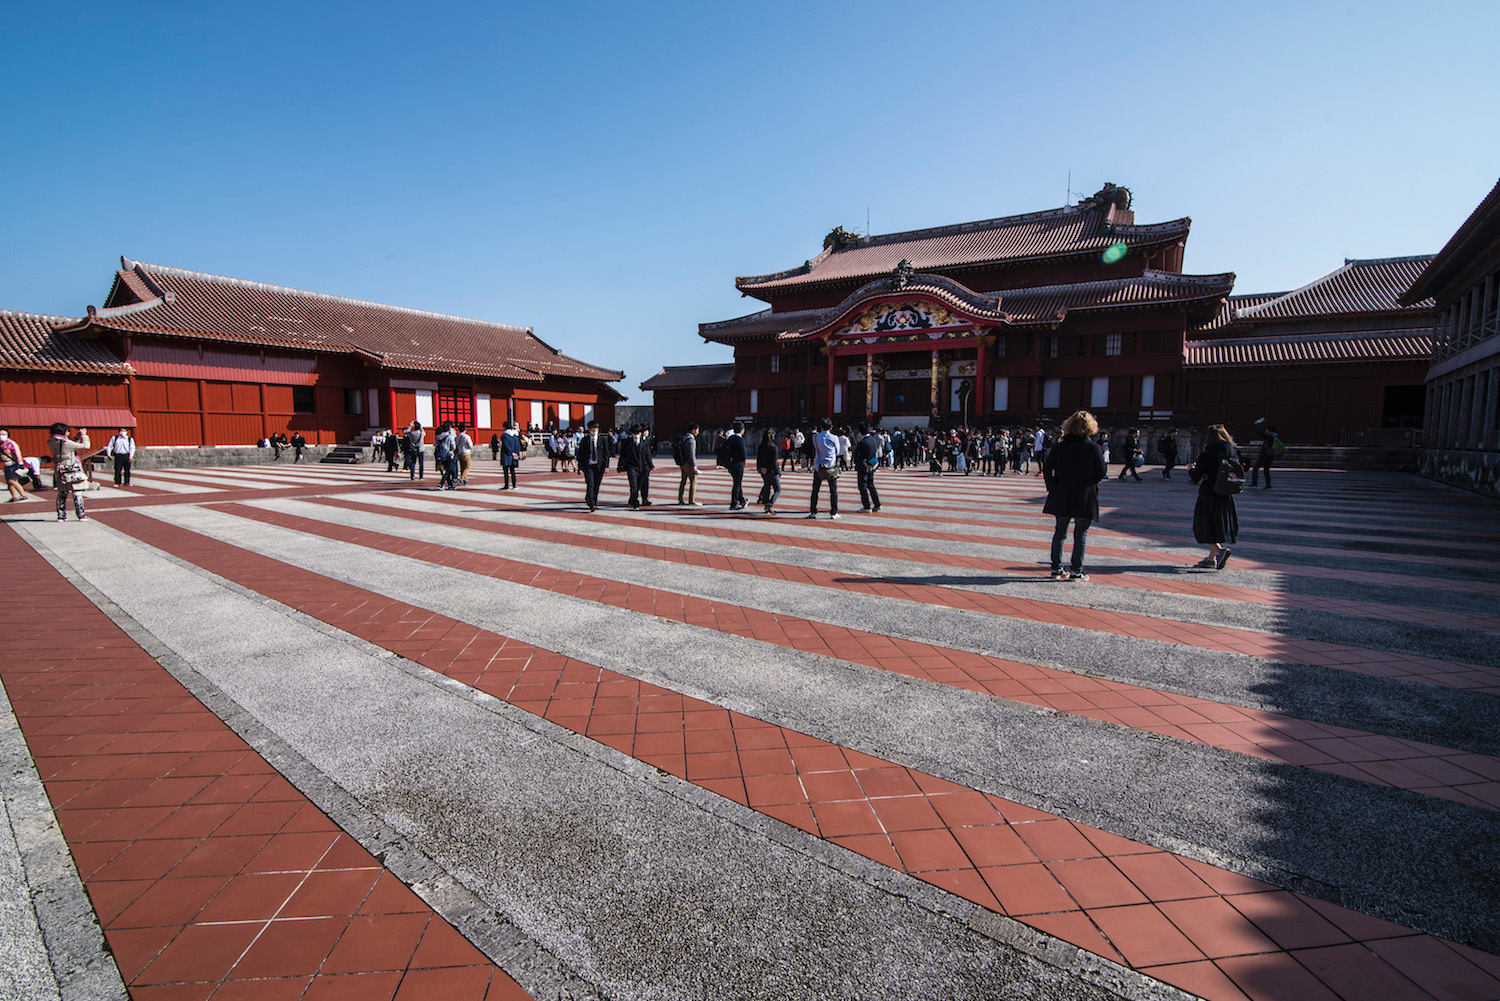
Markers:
point(318, 731)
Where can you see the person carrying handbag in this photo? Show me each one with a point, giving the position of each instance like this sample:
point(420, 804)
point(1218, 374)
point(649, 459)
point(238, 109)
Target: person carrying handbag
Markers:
point(68, 468)
point(16, 470)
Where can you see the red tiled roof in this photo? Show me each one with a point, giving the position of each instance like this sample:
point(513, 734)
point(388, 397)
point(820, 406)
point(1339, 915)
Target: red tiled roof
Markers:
point(175, 302)
point(1360, 286)
point(1043, 304)
point(30, 341)
point(1225, 316)
point(691, 377)
point(1478, 230)
point(1310, 349)
point(1058, 232)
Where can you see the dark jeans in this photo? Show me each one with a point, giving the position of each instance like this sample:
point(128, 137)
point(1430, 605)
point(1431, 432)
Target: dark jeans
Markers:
point(418, 464)
point(1080, 537)
point(1262, 463)
point(640, 486)
point(770, 488)
point(866, 478)
point(510, 476)
point(821, 474)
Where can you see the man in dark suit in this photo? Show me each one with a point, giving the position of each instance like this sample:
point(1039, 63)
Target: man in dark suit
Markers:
point(593, 460)
point(866, 458)
point(635, 463)
point(734, 461)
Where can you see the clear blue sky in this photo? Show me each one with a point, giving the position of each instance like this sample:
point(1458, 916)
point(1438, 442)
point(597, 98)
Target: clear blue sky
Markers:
point(603, 171)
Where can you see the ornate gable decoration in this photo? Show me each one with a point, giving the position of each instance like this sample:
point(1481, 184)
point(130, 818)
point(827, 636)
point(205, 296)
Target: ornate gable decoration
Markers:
point(900, 317)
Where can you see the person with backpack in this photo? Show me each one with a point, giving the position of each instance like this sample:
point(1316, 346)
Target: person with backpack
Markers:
point(1271, 448)
point(685, 454)
point(416, 456)
point(1219, 475)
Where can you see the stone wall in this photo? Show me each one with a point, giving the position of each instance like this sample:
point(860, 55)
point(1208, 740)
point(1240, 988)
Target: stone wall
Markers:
point(1470, 469)
point(240, 455)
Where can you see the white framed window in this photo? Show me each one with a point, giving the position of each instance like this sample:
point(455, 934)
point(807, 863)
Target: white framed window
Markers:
point(1052, 344)
point(588, 413)
point(755, 398)
point(838, 397)
point(1112, 344)
point(482, 410)
point(1099, 390)
point(424, 407)
point(1051, 391)
point(1002, 394)
point(775, 366)
point(538, 414)
point(1148, 390)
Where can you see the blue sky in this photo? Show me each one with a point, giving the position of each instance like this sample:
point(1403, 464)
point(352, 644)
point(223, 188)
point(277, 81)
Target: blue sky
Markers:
point(602, 172)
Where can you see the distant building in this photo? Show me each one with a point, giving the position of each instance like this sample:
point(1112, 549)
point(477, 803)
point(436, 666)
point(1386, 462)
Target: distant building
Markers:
point(1325, 364)
point(195, 359)
point(1029, 317)
point(1462, 439)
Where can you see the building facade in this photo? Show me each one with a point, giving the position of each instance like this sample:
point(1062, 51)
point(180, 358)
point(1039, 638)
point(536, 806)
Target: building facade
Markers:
point(194, 359)
point(1462, 442)
point(1027, 318)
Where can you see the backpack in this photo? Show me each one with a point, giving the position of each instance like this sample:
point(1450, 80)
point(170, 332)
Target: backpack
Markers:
point(679, 450)
point(1230, 479)
point(1278, 447)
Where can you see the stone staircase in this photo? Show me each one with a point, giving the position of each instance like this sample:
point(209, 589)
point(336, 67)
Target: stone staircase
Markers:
point(347, 455)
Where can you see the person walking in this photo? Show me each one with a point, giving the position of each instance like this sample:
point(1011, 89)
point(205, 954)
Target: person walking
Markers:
point(67, 467)
point(866, 460)
point(16, 470)
point(495, 445)
point(463, 451)
point(593, 459)
point(770, 472)
point(635, 462)
point(443, 456)
point(687, 464)
point(121, 449)
point(825, 469)
point(1072, 472)
point(1268, 452)
point(1168, 449)
point(735, 458)
point(510, 455)
point(1132, 455)
point(390, 447)
point(416, 452)
point(1215, 518)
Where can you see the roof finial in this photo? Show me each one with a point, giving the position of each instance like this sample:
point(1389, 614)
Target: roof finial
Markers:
point(901, 275)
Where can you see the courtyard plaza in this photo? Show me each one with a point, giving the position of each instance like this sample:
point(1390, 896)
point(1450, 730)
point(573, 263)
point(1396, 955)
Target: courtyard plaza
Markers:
point(322, 732)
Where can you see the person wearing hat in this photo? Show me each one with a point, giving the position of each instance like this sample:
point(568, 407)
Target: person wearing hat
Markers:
point(68, 468)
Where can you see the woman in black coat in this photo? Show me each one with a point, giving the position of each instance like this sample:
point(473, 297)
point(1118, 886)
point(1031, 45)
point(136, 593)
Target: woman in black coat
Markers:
point(1215, 519)
point(1072, 471)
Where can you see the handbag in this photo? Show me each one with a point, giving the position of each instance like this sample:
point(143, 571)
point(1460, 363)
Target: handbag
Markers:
point(73, 475)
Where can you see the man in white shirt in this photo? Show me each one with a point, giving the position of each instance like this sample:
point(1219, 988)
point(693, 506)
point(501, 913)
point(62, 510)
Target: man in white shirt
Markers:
point(825, 458)
point(121, 448)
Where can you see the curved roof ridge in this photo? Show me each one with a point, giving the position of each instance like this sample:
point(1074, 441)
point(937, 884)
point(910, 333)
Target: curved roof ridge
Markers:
point(1408, 259)
point(1250, 311)
point(324, 296)
point(15, 314)
point(1149, 274)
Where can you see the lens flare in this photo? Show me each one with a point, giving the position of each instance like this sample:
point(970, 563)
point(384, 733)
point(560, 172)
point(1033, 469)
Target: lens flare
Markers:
point(1115, 252)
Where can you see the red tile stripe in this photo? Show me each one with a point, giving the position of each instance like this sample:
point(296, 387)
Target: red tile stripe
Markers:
point(208, 871)
point(1382, 663)
point(1216, 933)
point(1462, 776)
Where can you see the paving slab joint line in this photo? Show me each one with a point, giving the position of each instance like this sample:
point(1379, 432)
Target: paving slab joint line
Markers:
point(78, 958)
point(488, 929)
point(530, 964)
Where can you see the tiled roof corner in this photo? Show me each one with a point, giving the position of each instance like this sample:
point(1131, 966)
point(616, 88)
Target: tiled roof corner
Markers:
point(1372, 285)
point(38, 342)
point(691, 377)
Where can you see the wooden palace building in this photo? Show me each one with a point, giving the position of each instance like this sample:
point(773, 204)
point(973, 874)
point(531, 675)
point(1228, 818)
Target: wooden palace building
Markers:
point(1029, 317)
point(188, 359)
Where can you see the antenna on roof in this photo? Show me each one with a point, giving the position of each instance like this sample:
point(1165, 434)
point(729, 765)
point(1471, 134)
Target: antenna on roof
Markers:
point(1068, 198)
point(867, 220)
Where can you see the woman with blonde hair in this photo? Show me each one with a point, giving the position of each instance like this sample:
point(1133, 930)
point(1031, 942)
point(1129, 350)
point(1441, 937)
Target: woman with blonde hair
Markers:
point(1215, 519)
point(1072, 471)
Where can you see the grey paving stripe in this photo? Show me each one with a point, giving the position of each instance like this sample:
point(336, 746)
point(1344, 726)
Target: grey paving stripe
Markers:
point(641, 885)
point(1429, 713)
point(1419, 861)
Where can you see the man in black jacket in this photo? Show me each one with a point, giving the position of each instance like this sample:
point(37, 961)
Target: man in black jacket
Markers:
point(635, 463)
point(734, 461)
point(593, 460)
point(866, 459)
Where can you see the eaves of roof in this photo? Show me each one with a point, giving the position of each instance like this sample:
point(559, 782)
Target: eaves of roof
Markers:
point(36, 342)
point(691, 377)
point(1477, 232)
point(1360, 287)
point(1309, 349)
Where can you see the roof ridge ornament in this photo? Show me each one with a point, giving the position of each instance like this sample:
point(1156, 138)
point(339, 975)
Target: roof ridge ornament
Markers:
point(840, 238)
point(901, 274)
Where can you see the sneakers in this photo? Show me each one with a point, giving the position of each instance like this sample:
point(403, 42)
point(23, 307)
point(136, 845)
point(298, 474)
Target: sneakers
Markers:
point(1075, 576)
point(834, 517)
point(812, 516)
point(1224, 555)
point(1207, 563)
point(1058, 574)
